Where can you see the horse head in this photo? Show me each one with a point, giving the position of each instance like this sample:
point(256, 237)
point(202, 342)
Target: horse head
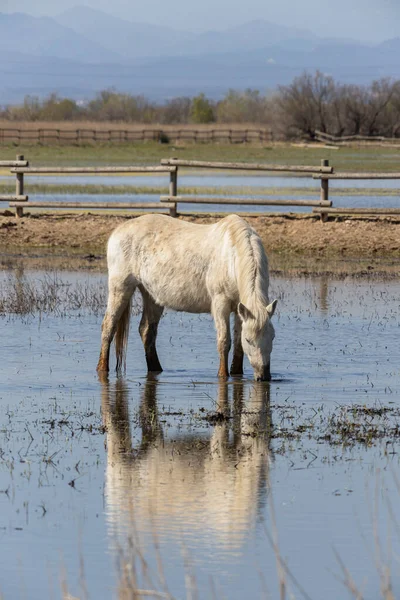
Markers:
point(257, 337)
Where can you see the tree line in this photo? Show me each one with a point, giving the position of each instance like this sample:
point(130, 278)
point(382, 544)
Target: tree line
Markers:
point(310, 103)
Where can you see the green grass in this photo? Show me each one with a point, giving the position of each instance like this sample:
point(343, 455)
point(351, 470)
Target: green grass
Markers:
point(343, 159)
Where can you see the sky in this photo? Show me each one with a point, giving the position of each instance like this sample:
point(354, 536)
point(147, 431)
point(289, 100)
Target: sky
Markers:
point(366, 20)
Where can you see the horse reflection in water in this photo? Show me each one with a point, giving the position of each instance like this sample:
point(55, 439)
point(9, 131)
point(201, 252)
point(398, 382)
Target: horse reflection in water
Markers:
point(192, 483)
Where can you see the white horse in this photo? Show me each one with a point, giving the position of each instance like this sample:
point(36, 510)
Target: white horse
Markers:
point(218, 269)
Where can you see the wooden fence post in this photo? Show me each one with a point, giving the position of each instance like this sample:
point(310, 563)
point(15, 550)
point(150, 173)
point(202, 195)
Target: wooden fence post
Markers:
point(173, 190)
point(19, 188)
point(324, 189)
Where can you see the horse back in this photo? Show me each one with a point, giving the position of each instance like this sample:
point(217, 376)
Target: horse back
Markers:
point(180, 264)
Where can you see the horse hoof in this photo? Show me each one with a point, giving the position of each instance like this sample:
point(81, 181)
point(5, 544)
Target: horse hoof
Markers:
point(237, 372)
point(103, 376)
point(223, 375)
point(102, 367)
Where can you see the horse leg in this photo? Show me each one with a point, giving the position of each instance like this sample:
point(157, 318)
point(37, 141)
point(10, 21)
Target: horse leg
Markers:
point(237, 360)
point(148, 330)
point(119, 295)
point(221, 310)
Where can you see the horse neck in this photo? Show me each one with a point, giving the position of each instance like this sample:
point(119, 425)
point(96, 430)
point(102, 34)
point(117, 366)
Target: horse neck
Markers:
point(252, 275)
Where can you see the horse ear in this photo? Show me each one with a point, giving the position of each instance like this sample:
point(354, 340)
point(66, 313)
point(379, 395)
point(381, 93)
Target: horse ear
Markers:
point(271, 308)
point(244, 312)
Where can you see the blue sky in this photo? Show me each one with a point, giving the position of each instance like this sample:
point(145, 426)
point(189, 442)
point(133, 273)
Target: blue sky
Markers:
point(372, 20)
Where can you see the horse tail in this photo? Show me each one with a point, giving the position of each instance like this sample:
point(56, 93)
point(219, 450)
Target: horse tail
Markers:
point(121, 337)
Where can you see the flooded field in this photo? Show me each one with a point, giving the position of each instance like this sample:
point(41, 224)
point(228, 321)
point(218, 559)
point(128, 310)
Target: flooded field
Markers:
point(192, 487)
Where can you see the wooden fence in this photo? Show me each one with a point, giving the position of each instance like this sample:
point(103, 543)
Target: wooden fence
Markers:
point(223, 200)
point(326, 177)
point(328, 139)
point(21, 168)
point(84, 136)
point(321, 205)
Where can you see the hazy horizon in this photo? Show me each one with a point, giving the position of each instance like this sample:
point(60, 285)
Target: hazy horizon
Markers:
point(376, 22)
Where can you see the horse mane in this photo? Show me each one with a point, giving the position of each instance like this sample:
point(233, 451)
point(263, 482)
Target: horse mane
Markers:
point(251, 267)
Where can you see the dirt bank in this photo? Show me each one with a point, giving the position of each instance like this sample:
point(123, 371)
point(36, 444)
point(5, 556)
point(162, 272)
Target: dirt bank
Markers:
point(297, 239)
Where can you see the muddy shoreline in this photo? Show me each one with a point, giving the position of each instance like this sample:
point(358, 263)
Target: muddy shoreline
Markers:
point(296, 244)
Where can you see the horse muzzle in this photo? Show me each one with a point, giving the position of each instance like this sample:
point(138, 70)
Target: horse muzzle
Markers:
point(265, 375)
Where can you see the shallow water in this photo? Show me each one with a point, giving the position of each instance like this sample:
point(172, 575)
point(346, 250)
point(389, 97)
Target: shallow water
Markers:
point(338, 201)
point(192, 466)
point(200, 179)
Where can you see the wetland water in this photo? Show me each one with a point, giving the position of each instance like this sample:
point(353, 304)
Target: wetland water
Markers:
point(374, 197)
point(182, 470)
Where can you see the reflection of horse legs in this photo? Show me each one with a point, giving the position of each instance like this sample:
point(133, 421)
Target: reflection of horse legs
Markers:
point(116, 317)
point(115, 412)
point(148, 330)
point(220, 438)
point(221, 310)
point(256, 419)
point(237, 408)
point(237, 360)
point(148, 413)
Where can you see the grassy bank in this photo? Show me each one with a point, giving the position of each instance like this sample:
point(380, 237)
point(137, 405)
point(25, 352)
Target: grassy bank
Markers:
point(357, 158)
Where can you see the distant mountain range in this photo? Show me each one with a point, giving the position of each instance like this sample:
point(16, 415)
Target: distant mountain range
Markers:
point(84, 50)
point(46, 38)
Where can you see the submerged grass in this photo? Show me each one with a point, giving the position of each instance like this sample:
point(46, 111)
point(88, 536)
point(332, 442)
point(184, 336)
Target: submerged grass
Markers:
point(50, 294)
point(345, 426)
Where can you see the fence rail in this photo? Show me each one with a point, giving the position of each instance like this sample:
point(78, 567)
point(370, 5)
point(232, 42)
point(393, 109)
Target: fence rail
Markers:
point(109, 205)
point(322, 205)
point(93, 170)
point(357, 211)
point(242, 201)
point(77, 136)
point(13, 163)
point(348, 175)
point(177, 162)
